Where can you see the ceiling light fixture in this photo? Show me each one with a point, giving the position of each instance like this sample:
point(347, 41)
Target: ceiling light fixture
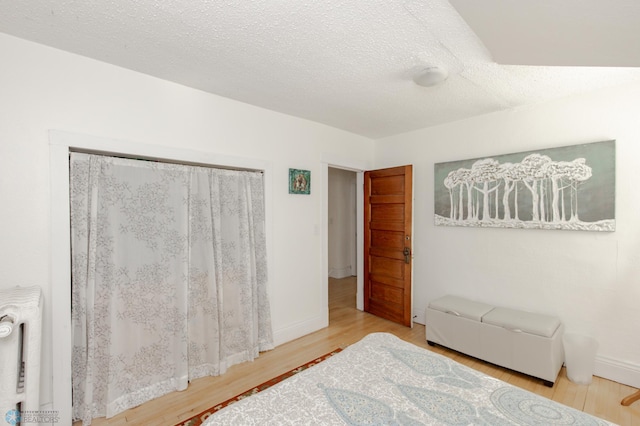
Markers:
point(430, 76)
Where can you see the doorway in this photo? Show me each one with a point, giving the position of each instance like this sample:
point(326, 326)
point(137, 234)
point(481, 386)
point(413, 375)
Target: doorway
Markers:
point(405, 252)
point(342, 236)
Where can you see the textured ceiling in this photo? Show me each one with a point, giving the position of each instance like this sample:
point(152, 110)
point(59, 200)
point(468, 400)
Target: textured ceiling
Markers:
point(348, 64)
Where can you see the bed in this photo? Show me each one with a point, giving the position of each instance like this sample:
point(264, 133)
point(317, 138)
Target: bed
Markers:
point(383, 380)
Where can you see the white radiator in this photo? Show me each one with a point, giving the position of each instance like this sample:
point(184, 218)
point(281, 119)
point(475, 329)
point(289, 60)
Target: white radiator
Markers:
point(20, 336)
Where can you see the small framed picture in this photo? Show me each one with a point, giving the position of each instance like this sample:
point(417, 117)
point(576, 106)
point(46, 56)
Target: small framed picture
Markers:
point(299, 181)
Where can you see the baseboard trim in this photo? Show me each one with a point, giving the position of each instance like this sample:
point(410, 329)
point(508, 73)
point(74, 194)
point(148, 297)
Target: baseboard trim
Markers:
point(339, 273)
point(618, 371)
point(299, 329)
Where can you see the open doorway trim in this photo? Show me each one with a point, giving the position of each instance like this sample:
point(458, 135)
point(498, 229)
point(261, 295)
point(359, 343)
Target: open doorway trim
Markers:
point(359, 167)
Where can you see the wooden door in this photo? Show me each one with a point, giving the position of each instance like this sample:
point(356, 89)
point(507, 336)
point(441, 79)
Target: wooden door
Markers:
point(388, 197)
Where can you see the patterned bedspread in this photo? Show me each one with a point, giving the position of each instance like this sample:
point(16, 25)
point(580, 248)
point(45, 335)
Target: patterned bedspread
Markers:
point(383, 380)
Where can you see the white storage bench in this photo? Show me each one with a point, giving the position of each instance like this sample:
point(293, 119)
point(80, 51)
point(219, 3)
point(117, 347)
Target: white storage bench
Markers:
point(522, 341)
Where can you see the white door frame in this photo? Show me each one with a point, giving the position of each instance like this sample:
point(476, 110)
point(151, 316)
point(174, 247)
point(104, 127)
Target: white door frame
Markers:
point(358, 166)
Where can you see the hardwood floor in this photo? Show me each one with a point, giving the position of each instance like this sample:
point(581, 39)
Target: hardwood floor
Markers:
point(348, 325)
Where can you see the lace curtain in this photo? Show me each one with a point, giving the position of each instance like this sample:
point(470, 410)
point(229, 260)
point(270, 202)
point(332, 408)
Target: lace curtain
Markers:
point(168, 278)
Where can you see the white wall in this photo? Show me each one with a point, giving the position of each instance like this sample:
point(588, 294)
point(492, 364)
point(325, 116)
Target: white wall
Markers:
point(590, 280)
point(43, 88)
point(342, 223)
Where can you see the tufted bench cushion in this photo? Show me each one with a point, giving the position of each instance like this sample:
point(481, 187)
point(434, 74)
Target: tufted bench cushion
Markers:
point(461, 307)
point(521, 321)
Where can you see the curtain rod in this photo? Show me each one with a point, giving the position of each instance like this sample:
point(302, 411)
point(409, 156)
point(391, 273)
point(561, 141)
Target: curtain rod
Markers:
point(160, 160)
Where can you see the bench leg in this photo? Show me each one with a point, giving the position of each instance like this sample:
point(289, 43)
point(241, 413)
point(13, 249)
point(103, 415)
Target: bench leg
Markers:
point(547, 383)
point(430, 343)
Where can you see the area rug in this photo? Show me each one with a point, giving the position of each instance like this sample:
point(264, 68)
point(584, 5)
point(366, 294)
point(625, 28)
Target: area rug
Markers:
point(199, 418)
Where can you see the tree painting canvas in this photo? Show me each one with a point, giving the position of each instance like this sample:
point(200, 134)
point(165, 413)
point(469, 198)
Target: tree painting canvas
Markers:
point(570, 188)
